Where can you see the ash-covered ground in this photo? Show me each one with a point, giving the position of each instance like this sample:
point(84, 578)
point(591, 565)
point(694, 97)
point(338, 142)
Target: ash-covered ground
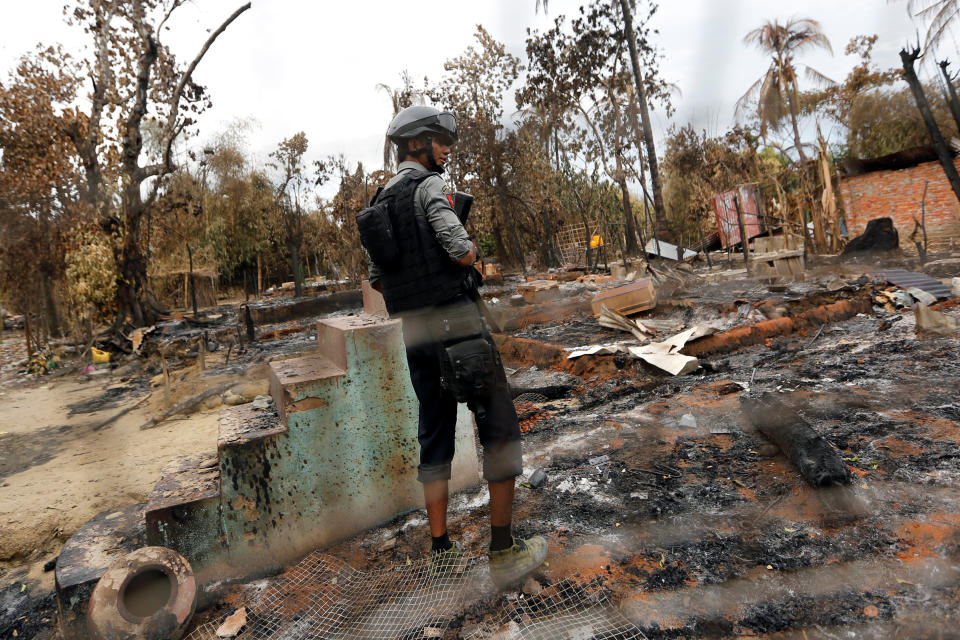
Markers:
point(661, 496)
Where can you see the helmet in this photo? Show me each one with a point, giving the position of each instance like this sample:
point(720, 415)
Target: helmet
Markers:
point(419, 119)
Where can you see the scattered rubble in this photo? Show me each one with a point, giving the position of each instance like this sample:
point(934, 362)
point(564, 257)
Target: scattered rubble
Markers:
point(658, 486)
point(930, 321)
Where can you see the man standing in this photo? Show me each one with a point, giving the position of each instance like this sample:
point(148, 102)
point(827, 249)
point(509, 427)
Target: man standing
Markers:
point(421, 260)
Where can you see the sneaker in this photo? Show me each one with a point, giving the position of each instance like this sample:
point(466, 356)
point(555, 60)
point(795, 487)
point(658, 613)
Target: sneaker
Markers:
point(510, 566)
point(445, 563)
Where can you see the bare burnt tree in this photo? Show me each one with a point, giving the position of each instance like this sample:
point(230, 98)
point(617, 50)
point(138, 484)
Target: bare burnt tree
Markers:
point(640, 80)
point(951, 92)
point(943, 152)
point(132, 73)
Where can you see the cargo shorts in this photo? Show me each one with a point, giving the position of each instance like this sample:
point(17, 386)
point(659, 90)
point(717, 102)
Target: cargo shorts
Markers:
point(497, 426)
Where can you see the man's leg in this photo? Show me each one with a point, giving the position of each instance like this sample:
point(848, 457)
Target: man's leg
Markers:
point(501, 502)
point(435, 494)
point(437, 426)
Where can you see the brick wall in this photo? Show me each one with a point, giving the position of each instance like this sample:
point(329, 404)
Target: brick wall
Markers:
point(897, 194)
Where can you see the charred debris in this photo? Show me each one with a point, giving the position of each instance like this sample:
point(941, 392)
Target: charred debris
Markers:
point(798, 478)
point(796, 475)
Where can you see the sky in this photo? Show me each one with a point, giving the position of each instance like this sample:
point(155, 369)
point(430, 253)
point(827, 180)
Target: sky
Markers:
point(313, 65)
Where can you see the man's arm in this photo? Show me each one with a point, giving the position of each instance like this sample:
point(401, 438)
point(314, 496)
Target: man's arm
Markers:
point(442, 218)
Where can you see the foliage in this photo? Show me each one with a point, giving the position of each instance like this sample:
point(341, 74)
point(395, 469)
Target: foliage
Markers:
point(91, 275)
point(473, 87)
point(774, 96)
point(939, 16)
point(876, 112)
point(697, 167)
point(39, 185)
point(406, 95)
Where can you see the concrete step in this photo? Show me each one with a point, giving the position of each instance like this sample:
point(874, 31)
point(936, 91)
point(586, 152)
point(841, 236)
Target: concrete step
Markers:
point(182, 512)
point(336, 456)
point(298, 385)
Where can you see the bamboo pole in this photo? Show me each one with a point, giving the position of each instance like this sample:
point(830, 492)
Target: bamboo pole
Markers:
point(743, 232)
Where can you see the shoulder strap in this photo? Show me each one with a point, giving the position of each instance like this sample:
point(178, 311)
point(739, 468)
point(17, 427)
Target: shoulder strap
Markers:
point(409, 179)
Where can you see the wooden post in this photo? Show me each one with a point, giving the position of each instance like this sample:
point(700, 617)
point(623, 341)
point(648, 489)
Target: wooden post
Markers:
point(26, 332)
point(202, 352)
point(743, 232)
point(259, 277)
point(923, 216)
point(702, 242)
point(166, 373)
point(193, 283)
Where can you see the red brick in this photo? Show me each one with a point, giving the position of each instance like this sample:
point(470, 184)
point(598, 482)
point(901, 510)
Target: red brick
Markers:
point(897, 194)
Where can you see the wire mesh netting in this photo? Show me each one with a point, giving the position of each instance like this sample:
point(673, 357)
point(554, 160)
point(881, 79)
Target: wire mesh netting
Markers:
point(536, 398)
point(567, 610)
point(323, 597)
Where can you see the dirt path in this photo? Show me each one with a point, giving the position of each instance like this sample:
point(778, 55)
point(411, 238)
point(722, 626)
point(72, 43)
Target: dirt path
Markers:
point(57, 471)
point(60, 465)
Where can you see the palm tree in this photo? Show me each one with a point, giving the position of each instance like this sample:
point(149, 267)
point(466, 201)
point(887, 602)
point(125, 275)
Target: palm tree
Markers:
point(775, 92)
point(939, 16)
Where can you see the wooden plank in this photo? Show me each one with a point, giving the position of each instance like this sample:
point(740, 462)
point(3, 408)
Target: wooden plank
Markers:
point(776, 255)
point(629, 299)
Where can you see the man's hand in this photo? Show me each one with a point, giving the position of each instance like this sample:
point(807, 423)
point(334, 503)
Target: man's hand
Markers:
point(470, 257)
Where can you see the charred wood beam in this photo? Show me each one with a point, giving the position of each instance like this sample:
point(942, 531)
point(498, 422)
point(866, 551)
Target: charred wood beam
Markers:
point(817, 460)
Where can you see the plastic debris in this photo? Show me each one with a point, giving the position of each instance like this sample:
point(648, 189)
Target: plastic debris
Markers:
point(930, 321)
point(537, 478)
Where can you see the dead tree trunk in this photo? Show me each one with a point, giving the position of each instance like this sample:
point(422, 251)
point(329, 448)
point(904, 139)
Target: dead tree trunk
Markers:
point(193, 282)
point(132, 298)
point(655, 182)
point(943, 153)
point(630, 231)
point(951, 93)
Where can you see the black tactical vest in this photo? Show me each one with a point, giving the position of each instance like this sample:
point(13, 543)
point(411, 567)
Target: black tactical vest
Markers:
point(424, 275)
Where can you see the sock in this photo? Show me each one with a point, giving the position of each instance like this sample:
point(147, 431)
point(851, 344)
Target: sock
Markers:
point(500, 538)
point(442, 543)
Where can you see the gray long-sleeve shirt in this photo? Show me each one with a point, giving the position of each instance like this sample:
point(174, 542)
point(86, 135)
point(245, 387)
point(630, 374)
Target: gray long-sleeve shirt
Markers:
point(430, 201)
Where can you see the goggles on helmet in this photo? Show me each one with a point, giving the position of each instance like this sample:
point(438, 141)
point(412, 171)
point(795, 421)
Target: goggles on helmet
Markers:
point(448, 122)
point(444, 123)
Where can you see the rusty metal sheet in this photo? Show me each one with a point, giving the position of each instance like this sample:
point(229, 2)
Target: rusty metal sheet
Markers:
point(906, 279)
point(725, 212)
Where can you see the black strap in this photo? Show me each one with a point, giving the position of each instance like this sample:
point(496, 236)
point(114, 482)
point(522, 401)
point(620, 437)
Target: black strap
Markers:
point(416, 175)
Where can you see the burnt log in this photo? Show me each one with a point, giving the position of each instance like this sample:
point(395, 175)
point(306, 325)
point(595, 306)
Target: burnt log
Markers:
point(880, 235)
point(817, 460)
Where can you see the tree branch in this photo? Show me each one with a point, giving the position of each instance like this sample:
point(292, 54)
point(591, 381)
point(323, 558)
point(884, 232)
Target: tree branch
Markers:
point(171, 129)
point(132, 139)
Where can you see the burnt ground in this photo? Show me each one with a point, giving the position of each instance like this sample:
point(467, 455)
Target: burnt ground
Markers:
point(701, 528)
point(707, 530)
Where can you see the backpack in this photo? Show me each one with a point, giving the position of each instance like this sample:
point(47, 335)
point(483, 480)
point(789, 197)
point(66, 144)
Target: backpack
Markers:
point(375, 222)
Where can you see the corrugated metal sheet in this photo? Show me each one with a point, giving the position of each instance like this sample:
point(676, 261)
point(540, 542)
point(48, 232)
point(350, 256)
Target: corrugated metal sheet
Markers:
point(726, 214)
point(667, 250)
point(906, 279)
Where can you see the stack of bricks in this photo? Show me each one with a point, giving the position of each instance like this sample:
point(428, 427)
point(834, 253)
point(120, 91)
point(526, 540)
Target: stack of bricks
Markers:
point(898, 194)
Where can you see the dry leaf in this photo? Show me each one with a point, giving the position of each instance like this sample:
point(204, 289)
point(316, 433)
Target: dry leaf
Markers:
point(233, 624)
